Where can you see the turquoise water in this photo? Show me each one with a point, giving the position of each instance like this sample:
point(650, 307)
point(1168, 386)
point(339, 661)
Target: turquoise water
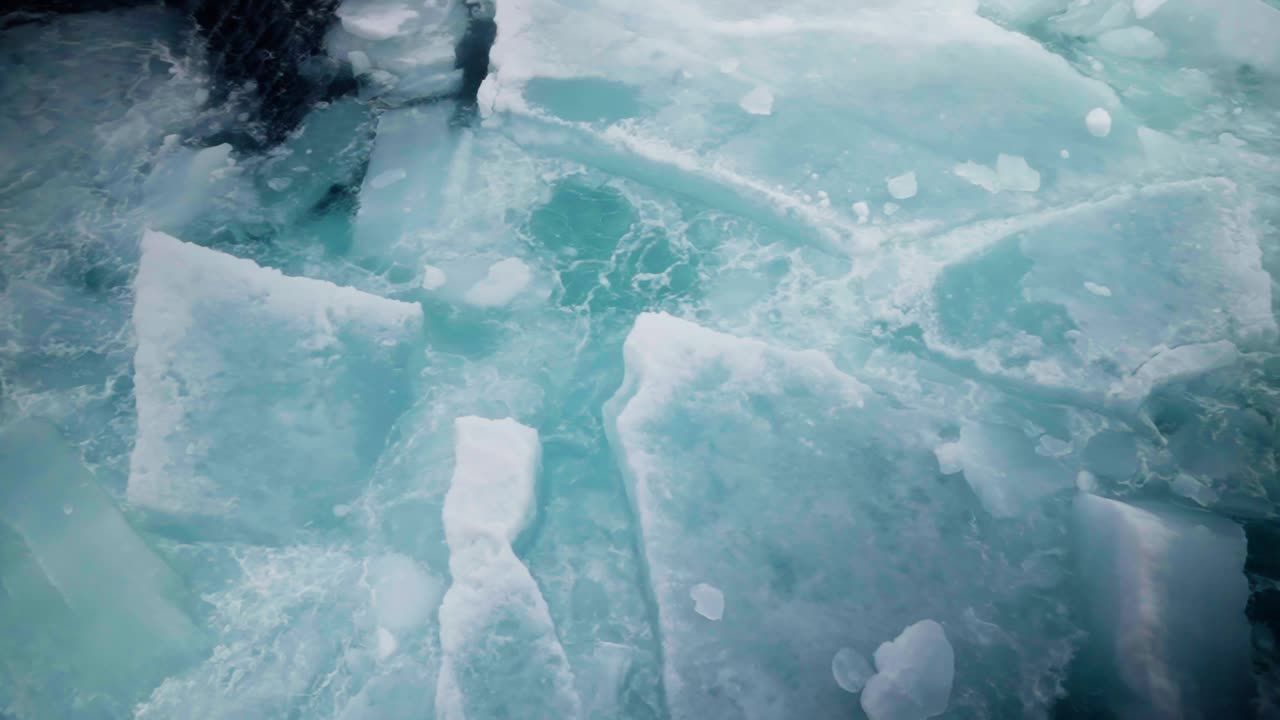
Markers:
point(1000, 436)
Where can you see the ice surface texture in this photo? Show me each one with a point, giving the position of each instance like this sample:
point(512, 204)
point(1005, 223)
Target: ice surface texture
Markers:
point(726, 359)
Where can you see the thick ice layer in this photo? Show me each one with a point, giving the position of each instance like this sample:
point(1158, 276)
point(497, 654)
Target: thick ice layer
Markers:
point(501, 656)
point(1167, 592)
point(725, 443)
point(261, 398)
point(91, 617)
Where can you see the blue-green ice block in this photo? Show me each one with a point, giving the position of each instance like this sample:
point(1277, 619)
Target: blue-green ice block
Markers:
point(90, 616)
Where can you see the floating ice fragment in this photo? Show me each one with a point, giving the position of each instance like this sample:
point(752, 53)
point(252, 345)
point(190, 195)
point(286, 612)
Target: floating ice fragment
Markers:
point(708, 601)
point(1098, 121)
point(360, 63)
point(758, 101)
point(387, 644)
point(1133, 42)
point(863, 211)
point(1064, 154)
point(1096, 289)
point(1144, 8)
point(404, 595)
point(374, 23)
point(913, 676)
point(729, 65)
point(279, 184)
point(505, 280)
point(851, 670)
point(890, 208)
point(1013, 173)
point(433, 277)
point(903, 186)
point(387, 178)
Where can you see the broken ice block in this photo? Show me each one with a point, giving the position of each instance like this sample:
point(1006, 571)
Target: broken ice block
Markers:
point(494, 622)
point(261, 398)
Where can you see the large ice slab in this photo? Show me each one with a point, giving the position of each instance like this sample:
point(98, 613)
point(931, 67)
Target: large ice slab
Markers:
point(91, 616)
point(725, 443)
point(501, 656)
point(1167, 593)
point(708, 101)
point(261, 398)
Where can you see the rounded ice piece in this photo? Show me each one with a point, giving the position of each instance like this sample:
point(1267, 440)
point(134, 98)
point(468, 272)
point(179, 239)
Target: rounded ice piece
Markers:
point(387, 643)
point(903, 186)
point(863, 212)
point(758, 101)
point(1098, 121)
point(851, 670)
point(1096, 289)
point(913, 676)
point(708, 601)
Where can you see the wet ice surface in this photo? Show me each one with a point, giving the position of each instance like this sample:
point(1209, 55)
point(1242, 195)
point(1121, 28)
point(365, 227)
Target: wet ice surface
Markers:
point(725, 360)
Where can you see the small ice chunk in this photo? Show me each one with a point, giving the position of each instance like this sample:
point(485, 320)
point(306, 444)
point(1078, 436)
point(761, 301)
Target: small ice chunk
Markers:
point(433, 277)
point(375, 23)
point(863, 211)
point(1098, 121)
point(758, 101)
point(851, 670)
point(1143, 8)
point(360, 63)
point(1065, 154)
point(890, 208)
point(1086, 482)
point(1133, 42)
point(279, 184)
point(1010, 173)
point(404, 595)
point(505, 280)
point(1096, 289)
point(341, 510)
point(386, 643)
point(1013, 173)
point(950, 458)
point(903, 186)
point(1226, 139)
point(708, 601)
point(728, 66)
point(913, 676)
point(387, 178)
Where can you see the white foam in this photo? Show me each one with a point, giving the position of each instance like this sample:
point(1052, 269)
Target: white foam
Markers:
point(914, 673)
point(504, 281)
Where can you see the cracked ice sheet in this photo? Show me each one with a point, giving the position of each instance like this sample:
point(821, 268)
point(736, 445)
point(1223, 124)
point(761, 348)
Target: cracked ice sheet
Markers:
point(494, 622)
point(677, 74)
point(724, 442)
point(260, 396)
